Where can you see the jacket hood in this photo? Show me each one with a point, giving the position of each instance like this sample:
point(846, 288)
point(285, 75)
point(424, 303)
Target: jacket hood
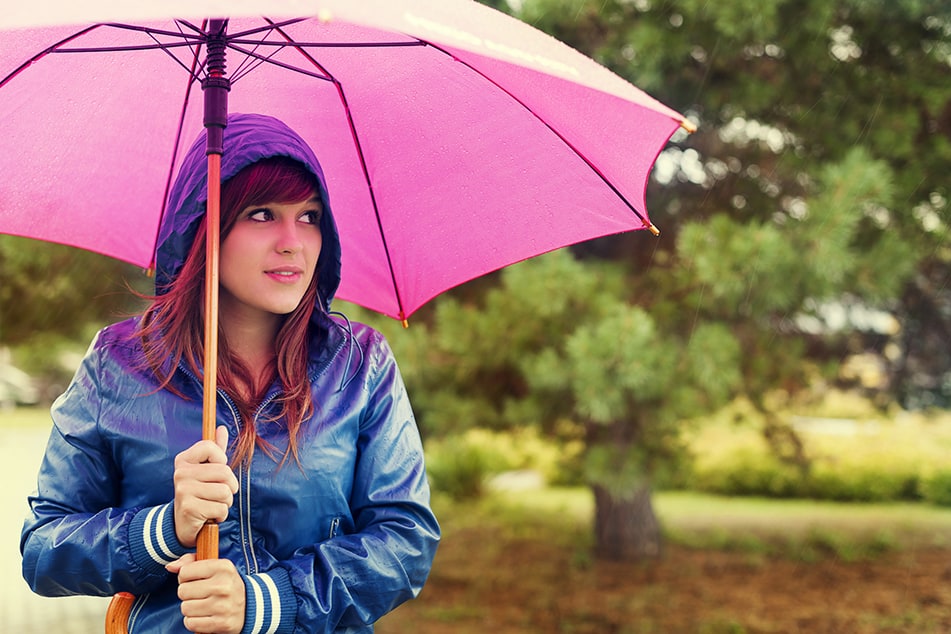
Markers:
point(248, 138)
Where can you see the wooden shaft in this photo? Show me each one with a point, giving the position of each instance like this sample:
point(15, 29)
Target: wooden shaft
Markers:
point(212, 240)
point(208, 535)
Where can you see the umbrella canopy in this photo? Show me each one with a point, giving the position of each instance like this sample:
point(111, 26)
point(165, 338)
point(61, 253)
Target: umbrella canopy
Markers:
point(455, 139)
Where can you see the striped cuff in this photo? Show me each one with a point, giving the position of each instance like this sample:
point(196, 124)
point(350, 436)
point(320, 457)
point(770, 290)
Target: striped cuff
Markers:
point(271, 607)
point(152, 538)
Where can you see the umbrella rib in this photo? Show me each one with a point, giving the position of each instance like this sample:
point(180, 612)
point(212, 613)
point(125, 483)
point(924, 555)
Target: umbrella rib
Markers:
point(561, 137)
point(192, 78)
point(185, 41)
point(51, 49)
point(194, 51)
point(239, 38)
point(252, 60)
point(122, 49)
point(363, 165)
point(247, 65)
point(270, 27)
point(198, 36)
point(300, 45)
point(284, 65)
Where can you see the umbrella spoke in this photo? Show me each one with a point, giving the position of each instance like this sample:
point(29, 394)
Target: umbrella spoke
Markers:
point(198, 36)
point(127, 48)
point(358, 147)
point(296, 44)
point(284, 65)
point(587, 161)
point(250, 62)
point(194, 51)
point(52, 49)
point(268, 28)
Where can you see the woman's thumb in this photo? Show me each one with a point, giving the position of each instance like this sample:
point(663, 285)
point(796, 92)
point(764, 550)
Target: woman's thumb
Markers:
point(221, 437)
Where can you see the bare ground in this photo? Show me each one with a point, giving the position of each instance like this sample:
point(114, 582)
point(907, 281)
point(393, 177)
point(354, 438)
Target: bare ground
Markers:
point(484, 581)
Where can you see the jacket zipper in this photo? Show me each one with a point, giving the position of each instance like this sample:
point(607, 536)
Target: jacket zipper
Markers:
point(244, 479)
point(244, 496)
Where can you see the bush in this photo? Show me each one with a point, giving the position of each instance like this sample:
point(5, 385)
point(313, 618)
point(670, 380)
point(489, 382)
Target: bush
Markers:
point(899, 458)
point(935, 487)
point(862, 482)
point(456, 467)
point(746, 471)
point(460, 464)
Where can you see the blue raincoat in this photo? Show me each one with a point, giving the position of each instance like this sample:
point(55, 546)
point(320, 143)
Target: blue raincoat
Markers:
point(330, 546)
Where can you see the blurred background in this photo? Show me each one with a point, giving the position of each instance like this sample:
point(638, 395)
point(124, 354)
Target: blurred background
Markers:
point(738, 426)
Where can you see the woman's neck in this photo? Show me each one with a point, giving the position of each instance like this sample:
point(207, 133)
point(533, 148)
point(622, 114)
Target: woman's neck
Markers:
point(252, 341)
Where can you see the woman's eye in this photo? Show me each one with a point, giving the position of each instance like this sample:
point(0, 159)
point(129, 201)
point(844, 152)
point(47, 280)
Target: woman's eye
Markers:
point(311, 217)
point(260, 215)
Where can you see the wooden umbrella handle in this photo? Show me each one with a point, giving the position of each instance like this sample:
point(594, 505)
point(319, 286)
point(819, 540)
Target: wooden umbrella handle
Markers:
point(120, 607)
point(117, 615)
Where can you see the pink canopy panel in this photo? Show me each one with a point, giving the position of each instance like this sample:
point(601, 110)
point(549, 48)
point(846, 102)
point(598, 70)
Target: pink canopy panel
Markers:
point(456, 140)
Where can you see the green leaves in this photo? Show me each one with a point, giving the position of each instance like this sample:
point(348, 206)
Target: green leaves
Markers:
point(617, 364)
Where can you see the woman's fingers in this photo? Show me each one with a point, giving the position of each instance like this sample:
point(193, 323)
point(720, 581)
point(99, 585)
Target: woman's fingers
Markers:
point(204, 486)
point(212, 594)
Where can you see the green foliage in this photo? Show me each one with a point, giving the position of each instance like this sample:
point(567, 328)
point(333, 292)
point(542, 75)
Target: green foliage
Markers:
point(50, 288)
point(457, 468)
point(461, 464)
point(616, 364)
point(935, 487)
point(868, 460)
point(747, 472)
point(739, 20)
point(817, 169)
point(861, 482)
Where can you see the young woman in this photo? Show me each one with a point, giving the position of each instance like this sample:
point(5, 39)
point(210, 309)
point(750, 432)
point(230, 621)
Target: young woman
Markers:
point(317, 475)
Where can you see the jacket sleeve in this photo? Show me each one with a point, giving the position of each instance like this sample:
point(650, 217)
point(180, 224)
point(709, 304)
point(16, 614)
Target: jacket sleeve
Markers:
point(76, 539)
point(352, 580)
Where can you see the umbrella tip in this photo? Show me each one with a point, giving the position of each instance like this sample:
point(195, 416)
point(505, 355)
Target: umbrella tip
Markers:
point(688, 125)
point(654, 230)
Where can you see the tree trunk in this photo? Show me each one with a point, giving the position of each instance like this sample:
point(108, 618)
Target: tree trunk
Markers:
point(625, 527)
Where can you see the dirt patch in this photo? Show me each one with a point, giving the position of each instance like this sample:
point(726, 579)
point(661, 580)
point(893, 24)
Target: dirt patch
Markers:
point(481, 584)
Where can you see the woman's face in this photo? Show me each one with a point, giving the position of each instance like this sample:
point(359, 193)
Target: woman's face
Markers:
point(268, 259)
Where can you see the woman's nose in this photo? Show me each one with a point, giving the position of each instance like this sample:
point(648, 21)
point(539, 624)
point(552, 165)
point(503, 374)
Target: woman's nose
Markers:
point(289, 241)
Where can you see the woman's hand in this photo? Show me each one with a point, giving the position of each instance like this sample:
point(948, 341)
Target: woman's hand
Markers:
point(212, 595)
point(204, 487)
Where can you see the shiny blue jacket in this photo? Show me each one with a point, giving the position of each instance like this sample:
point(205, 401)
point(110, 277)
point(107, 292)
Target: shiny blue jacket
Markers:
point(327, 546)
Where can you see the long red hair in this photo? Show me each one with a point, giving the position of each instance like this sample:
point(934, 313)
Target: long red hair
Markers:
point(172, 327)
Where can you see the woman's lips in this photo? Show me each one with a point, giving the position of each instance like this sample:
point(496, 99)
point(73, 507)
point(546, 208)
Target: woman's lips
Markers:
point(285, 275)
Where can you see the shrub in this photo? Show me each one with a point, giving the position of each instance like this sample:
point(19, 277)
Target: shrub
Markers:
point(935, 487)
point(456, 467)
point(459, 465)
point(746, 471)
point(861, 482)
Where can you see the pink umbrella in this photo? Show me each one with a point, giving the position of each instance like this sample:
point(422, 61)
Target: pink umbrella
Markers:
point(456, 140)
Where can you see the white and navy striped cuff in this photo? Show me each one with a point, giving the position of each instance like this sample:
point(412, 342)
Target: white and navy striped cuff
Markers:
point(271, 607)
point(152, 538)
